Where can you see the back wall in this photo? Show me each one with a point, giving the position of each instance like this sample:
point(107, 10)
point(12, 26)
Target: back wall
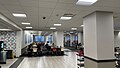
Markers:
point(9, 38)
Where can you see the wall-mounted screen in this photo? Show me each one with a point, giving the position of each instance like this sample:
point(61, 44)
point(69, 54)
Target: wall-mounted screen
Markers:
point(1, 45)
point(39, 39)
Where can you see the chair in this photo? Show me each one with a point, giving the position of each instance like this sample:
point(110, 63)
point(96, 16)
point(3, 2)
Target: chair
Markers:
point(54, 50)
point(35, 51)
point(58, 51)
point(62, 51)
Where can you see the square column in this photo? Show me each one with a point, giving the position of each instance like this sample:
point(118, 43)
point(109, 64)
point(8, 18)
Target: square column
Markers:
point(99, 36)
point(54, 38)
point(92, 64)
point(58, 38)
point(19, 42)
point(71, 39)
point(46, 39)
point(80, 37)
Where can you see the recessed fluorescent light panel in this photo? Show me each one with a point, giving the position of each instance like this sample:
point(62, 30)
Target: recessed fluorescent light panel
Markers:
point(81, 25)
point(65, 18)
point(71, 32)
point(29, 27)
point(19, 15)
point(5, 29)
point(25, 23)
point(57, 24)
point(74, 28)
point(52, 28)
point(86, 2)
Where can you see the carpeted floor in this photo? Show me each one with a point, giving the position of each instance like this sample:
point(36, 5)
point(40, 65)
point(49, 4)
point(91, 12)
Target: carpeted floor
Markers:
point(16, 64)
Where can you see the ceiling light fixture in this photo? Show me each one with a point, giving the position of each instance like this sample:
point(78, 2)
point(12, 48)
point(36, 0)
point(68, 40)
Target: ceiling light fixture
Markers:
point(19, 15)
point(81, 25)
point(29, 27)
point(71, 32)
point(5, 29)
point(57, 24)
point(65, 18)
point(86, 2)
point(52, 28)
point(74, 28)
point(25, 23)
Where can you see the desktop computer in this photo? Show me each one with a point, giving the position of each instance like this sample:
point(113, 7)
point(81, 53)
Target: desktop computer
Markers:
point(1, 45)
point(2, 53)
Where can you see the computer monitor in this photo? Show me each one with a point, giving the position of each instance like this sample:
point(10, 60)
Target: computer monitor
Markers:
point(1, 45)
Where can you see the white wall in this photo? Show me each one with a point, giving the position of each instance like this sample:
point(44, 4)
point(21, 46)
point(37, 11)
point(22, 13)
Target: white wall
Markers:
point(47, 39)
point(71, 39)
point(105, 35)
point(60, 38)
point(80, 37)
point(117, 39)
point(19, 42)
point(27, 35)
point(90, 40)
point(54, 38)
point(99, 36)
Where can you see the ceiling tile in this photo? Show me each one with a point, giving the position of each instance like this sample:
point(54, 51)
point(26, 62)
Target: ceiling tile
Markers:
point(68, 1)
point(48, 0)
point(10, 2)
point(47, 4)
point(14, 9)
point(29, 3)
point(63, 6)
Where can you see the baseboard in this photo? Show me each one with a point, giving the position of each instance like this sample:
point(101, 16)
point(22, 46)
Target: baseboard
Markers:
point(108, 60)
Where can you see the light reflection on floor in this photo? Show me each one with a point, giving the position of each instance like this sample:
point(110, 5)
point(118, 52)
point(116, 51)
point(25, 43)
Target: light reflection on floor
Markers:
point(67, 61)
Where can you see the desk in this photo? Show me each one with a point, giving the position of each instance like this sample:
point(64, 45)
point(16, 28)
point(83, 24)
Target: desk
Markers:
point(9, 54)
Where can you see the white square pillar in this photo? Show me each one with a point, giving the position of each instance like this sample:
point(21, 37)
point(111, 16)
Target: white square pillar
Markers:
point(99, 35)
point(58, 38)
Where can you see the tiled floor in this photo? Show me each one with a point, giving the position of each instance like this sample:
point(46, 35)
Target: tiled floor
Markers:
point(9, 62)
point(67, 61)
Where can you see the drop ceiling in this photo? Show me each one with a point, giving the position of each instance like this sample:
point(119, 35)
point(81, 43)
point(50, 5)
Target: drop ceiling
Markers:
point(53, 10)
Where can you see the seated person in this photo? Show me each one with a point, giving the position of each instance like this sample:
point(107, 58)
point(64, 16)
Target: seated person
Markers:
point(39, 45)
point(34, 47)
point(48, 47)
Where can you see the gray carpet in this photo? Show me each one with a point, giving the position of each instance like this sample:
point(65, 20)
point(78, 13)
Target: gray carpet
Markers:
point(16, 64)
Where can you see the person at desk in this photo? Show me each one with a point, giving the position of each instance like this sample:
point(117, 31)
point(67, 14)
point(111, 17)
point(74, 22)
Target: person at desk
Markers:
point(78, 46)
point(39, 46)
point(48, 47)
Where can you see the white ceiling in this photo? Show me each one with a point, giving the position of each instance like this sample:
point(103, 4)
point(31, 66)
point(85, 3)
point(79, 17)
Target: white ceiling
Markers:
point(53, 10)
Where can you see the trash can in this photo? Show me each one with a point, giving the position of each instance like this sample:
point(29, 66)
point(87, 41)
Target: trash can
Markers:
point(3, 57)
point(9, 54)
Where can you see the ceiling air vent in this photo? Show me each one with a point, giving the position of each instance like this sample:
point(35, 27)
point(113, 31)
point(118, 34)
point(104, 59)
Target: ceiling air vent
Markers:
point(69, 15)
